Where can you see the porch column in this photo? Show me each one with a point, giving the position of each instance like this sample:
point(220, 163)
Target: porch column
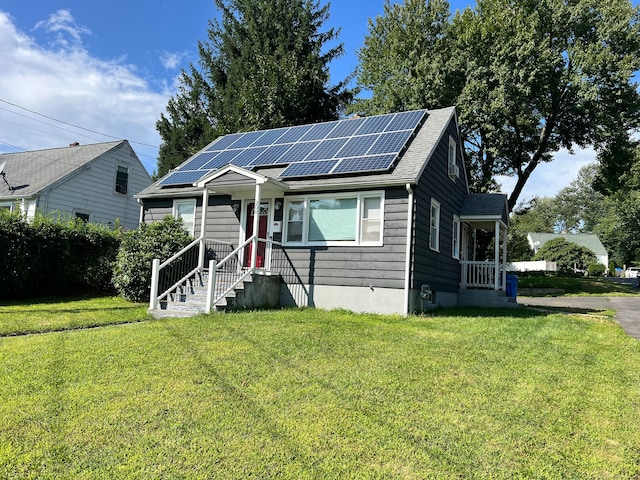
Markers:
point(203, 227)
point(256, 226)
point(496, 254)
point(504, 259)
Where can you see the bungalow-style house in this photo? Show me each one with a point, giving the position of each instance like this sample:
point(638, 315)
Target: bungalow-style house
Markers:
point(95, 182)
point(587, 240)
point(368, 214)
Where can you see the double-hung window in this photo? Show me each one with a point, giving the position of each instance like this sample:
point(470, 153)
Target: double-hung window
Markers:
point(345, 219)
point(122, 179)
point(434, 226)
point(455, 238)
point(186, 210)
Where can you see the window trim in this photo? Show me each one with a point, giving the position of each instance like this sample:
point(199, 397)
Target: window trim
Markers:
point(307, 199)
point(455, 238)
point(434, 204)
point(452, 159)
point(76, 214)
point(118, 186)
point(186, 201)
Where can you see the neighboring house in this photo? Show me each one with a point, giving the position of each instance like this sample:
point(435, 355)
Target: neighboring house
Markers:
point(587, 240)
point(367, 214)
point(95, 182)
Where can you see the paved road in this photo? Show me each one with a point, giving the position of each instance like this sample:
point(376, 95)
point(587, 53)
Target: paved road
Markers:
point(627, 308)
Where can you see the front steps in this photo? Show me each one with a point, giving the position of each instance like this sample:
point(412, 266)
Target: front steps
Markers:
point(258, 290)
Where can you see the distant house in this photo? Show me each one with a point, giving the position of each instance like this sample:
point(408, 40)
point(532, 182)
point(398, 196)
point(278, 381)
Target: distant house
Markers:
point(587, 240)
point(368, 214)
point(96, 183)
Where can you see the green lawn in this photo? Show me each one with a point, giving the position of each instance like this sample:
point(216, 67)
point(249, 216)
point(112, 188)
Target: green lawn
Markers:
point(55, 314)
point(577, 286)
point(313, 394)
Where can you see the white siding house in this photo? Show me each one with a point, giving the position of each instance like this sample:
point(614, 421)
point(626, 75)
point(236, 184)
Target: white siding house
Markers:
point(94, 182)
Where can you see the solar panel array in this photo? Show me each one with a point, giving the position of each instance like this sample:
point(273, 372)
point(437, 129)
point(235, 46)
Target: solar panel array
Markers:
point(358, 145)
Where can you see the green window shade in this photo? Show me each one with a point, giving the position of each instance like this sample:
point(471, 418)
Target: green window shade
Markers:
point(333, 219)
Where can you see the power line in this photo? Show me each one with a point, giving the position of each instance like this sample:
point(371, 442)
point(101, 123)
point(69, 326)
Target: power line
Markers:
point(73, 125)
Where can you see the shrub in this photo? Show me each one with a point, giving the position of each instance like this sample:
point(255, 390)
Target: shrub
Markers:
point(54, 257)
point(132, 271)
point(612, 268)
point(567, 255)
point(596, 270)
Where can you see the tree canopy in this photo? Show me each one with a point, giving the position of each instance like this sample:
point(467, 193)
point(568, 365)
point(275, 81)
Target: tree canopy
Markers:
point(528, 77)
point(264, 65)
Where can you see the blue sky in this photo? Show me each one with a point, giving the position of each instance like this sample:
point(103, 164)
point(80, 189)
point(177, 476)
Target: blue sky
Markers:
point(107, 69)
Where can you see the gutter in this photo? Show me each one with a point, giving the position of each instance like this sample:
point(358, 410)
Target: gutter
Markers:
point(407, 265)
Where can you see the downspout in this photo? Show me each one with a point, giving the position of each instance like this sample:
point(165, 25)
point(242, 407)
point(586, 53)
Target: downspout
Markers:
point(407, 265)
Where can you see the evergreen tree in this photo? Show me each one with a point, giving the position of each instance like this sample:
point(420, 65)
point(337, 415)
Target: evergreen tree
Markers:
point(264, 65)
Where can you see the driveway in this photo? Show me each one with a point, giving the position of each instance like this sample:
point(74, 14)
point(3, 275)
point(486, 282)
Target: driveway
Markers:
point(627, 308)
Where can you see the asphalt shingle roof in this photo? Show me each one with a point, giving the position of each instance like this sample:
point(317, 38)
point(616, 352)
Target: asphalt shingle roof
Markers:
point(29, 173)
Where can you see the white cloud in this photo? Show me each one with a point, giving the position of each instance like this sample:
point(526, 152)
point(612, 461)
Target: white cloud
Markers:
point(172, 60)
point(70, 84)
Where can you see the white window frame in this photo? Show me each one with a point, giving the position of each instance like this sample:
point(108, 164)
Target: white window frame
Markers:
point(452, 161)
point(455, 238)
point(434, 225)
point(307, 199)
point(191, 202)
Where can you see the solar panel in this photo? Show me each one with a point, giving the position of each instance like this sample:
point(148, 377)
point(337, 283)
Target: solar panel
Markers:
point(247, 139)
point(374, 125)
point(326, 149)
point(270, 137)
point(357, 146)
point(319, 131)
point(183, 177)
point(298, 152)
point(198, 161)
point(246, 157)
point(294, 134)
point(346, 128)
point(365, 164)
point(271, 155)
point(390, 142)
point(405, 121)
point(353, 145)
point(222, 143)
point(304, 169)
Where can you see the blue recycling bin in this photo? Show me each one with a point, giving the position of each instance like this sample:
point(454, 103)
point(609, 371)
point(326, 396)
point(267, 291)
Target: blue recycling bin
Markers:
point(512, 286)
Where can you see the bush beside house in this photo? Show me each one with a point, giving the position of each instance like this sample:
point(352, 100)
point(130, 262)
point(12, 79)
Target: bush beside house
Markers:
point(132, 272)
point(568, 256)
point(48, 256)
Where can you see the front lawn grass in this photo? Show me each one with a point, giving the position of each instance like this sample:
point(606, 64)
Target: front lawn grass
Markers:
point(55, 314)
point(313, 394)
point(577, 285)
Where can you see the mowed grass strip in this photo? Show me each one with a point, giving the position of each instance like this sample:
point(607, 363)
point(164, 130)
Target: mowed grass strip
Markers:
point(56, 314)
point(578, 286)
point(314, 394)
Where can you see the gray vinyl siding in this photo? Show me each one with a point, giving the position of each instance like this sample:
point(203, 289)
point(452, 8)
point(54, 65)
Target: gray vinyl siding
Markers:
point(223, 223)
point(154, 210)
point(439, 270)
point(92, 190)
point(357, 266)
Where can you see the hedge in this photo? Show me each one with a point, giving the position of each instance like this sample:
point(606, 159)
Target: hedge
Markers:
point(49, 256)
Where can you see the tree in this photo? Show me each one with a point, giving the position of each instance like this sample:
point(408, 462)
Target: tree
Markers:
point(567, 255)
point(537, 215)
point(264, 65)
point(579, 206)
point(528, 78)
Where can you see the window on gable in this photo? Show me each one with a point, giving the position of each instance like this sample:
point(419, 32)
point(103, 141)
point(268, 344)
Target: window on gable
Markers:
point(350, 219)
point(122, 179)
point(454, 170)
point(455, 235)
point(186, 210)
point(434, 223)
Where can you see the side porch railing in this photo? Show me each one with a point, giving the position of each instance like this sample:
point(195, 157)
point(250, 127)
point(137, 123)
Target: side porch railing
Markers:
point(481, 275)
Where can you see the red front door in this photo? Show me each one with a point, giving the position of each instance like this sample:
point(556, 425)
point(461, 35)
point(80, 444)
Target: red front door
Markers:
point(262, 233)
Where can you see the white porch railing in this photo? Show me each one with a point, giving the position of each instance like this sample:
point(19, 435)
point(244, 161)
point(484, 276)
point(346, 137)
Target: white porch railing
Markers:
point(223, 275)
point(481, 275)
